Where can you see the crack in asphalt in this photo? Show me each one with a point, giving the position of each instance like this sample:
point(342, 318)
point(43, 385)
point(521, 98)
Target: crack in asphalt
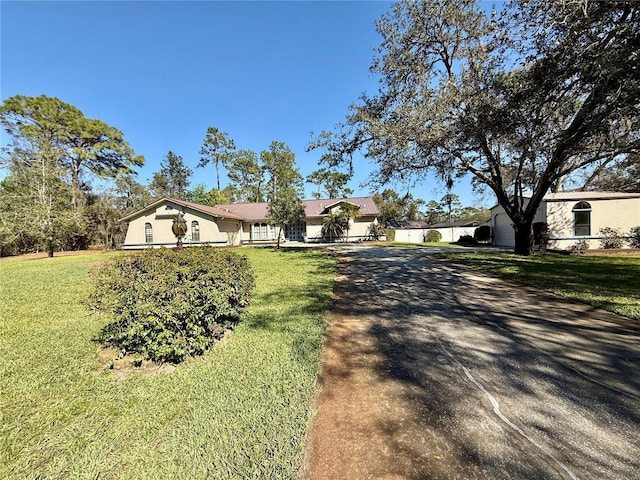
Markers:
point(498, 412)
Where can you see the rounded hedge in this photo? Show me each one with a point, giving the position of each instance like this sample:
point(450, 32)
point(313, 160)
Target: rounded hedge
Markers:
point(482, 233)
point(432, 236)
point(169, 304)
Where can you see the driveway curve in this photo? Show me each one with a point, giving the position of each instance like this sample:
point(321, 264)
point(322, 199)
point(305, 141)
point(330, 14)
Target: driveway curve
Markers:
point(433, 370)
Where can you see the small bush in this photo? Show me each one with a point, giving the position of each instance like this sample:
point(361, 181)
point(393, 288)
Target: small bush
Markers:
point(466, 240)
point(633, 237)
point(432, 236)
point(169, 304)
point(391, 234)
point(580, 247)
point(376, 231)
point(482, 233)
point(611, 238)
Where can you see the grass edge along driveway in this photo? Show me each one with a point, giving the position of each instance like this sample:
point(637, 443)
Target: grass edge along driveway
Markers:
point(240, 411)
point(611, 282)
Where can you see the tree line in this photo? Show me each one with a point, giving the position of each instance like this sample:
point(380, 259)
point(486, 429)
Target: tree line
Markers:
point(396, 207)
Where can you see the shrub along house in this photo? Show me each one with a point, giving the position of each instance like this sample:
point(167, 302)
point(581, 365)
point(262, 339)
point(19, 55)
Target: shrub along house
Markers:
point(574, 216)
point(238, 223)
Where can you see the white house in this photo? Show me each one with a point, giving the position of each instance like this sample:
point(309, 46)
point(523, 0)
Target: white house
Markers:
point(574, 216)
point(237, 223)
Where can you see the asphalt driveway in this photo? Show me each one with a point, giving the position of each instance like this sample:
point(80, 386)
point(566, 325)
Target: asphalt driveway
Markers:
point(433, 370)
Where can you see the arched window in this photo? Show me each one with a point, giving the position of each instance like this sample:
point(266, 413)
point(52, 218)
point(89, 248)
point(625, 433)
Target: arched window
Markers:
point(148, 233)
point(195, 231)
point(582, 219)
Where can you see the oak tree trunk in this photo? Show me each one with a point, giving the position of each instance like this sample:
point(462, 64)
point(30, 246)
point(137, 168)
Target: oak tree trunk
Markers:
point(524, 238)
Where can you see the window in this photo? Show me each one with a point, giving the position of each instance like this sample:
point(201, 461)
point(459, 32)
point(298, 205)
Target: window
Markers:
point(582, 219)
point(195, 231)
point(260, 231)
point(148, 233)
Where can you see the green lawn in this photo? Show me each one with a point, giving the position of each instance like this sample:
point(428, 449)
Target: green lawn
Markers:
point(240, 411)
point(608, 281)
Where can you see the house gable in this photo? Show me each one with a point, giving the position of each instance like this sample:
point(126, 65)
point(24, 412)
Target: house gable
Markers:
point(151, 226)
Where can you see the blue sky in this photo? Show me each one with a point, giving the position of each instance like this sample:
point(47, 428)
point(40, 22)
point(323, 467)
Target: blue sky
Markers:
point(162, 72)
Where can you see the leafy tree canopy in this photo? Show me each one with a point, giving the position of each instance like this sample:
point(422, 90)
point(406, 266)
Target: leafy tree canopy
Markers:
point(284, 186)
point(520, 99)
point(217, 148)
point(279, 164)
point(200, 194)
point(246, 176)
point(392, 206)
point(173, 178)
point(330, 183)
point(80, 145)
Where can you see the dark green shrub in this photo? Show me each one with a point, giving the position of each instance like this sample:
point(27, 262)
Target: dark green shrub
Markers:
point(391, 234)
point(611, 238)
point(634, 237)
point(482, 233)
point(466, 240)
point(169, 304)
point(580, 247)
point(541, 234)
point(432, 236)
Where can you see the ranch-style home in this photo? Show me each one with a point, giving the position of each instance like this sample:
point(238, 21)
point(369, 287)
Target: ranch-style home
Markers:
point(237, 223)
point(574, 216)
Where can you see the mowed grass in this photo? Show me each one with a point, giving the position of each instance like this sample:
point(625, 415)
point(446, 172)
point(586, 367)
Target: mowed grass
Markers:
point(611, 282)
point(240, 411)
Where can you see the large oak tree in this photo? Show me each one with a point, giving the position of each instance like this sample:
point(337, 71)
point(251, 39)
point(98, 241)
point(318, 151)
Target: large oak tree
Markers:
point(520, 99)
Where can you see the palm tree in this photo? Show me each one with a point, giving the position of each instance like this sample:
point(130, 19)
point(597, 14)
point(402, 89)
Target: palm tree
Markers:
point(334, 225)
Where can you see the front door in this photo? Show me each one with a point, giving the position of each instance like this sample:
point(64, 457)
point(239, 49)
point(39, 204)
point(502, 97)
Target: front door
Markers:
point(294, 232)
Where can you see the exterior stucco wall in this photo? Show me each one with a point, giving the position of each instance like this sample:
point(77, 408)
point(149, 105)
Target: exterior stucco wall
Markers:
point(622, 214)
point(359, 228)
point(314, 229)
point(231, 230)
point(416, 235)
point(161, 220)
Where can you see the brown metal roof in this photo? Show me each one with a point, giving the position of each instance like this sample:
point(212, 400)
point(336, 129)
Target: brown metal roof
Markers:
point(213, 211)
point(312, 208)
point(216, 211)
point(318, 208)
point(247, 211)
point(250, 212)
